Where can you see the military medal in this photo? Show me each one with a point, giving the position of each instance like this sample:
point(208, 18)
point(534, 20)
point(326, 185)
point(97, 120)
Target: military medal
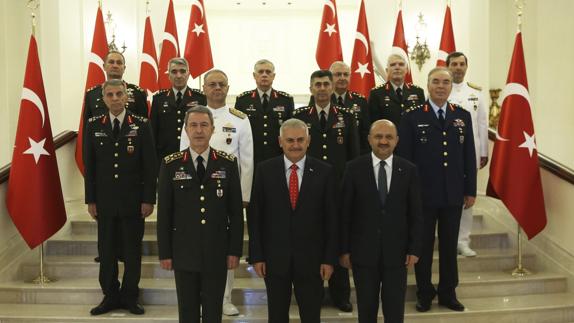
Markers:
point(340, 140)
point(228, 140)
point(461, 139)
point(131, 149)
point(219, 192)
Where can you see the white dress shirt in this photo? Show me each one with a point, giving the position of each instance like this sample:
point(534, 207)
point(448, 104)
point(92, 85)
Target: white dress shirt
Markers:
point(301, 167)
point(120, 117)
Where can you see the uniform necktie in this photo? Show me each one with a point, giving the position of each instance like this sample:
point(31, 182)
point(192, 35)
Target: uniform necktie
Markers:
point(116, 130)
point(441, 117)
point(265, 103)
point(323, 120)
point(400, 94)
point(178, 100)
point(293, 186)
point(382, 182)
point(200, 169)
point(340, 101)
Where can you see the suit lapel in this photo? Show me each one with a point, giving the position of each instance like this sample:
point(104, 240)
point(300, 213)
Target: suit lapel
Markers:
point(306, 181)
point(449, 116)
point(396, 175)
point(284, 190)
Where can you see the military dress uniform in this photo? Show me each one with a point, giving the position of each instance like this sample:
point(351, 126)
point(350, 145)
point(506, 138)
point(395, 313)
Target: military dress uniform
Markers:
point(337, 144)
point(470, 98)
point(447, 167)
point(167, 117)
point(265, 121)
point(94, 104)
point(384, 103)
point(200, 223)
point(120, 175)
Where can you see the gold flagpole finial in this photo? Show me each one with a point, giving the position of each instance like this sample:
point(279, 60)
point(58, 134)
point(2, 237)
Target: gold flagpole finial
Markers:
point(519, 4)
point(448, 3)
point(147, 8)
point(400, 4)
point(100, 4)
point(33, 5)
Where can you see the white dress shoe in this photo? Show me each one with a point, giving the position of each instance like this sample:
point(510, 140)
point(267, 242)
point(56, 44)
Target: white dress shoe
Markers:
point(464, 249)
point(230, 310)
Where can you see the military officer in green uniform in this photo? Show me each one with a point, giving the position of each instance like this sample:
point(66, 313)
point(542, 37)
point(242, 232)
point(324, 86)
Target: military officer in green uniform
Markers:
point(391, 99)
point(335, 140)
point(266, 108)
point(169, 107)
point(200, 220)
point(114, 66)
point(120, 184)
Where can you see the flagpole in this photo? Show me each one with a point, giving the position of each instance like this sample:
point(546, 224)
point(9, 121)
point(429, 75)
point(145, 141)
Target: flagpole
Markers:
point(519, 271)
point(41, 279)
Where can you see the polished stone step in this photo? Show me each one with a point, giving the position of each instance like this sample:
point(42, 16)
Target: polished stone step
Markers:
point(86, 244)
point(555, 308)
point(251, 291)
point(60, 267)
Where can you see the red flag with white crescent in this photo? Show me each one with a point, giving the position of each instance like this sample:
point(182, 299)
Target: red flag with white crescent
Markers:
point(96, 75)
point(169, 47)
point(514, 169)
point(34, 196)
point(400, 45)
point(447, 44)
point(329, 45)
point(149, 69)
point(362, 77)
point(197, 47)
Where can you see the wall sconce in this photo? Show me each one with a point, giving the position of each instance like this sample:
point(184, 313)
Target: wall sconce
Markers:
point(421, 53)
point(111, 28)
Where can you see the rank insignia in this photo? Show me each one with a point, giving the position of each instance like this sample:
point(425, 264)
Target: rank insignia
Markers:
point(130, 149)
point(340, 140)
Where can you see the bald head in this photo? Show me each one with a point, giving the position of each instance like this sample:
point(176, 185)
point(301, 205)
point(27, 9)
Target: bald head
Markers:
point(383, 138)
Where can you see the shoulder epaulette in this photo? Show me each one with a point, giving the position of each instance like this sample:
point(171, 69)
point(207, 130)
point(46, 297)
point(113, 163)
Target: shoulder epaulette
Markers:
point(175, 156)
point(134, 86)
point(456, 106)
point(414, 85)
point(237, 113)
point(138, 117)
point(284, 94)
point(244, 94)
point(302, 109)
point(198, 91)
point(93, 88)
point(416, 107)
point(345, 109)
point(474, 86)
point(357, 94)
point(92, 119)
point(378, 86)
point(161, 92)
point(225, 155)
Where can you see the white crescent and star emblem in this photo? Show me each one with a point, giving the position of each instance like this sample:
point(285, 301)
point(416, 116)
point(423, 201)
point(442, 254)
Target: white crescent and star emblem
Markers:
point(36, 147)
point(331, 5)
point(170, 38)
point(146, 58)
point(360, 37)
point(199, 6)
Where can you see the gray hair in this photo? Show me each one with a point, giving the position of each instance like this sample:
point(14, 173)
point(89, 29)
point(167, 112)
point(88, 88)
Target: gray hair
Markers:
point(399, 56)
point(198, 109)
point(293, 124)
point(177, 61)
point(338, 63)
point(263, 61)
point(439, 69)
point(114, 82)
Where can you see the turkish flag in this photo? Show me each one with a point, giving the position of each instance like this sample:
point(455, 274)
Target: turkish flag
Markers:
point(197, 47)
point(148, 68)
point(34, 198)
point(362, 77)
point(329, 45)
point(447, 44)
point(514, 169)
point(400, 45)
point(169, 47)
point(96, 75)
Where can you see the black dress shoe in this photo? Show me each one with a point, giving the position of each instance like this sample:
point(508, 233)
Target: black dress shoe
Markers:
point(135, 308)
point(423, 306)
point(346, 307)
point(105, 306)
point(452, 304)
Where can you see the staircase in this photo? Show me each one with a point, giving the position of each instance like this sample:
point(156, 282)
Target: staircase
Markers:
point(486, 287)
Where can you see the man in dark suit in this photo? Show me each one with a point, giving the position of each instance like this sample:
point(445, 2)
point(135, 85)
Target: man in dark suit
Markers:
point(438, 138)
point(292, 223)
point(114, 66)
point(335, 141)
point(169, 107)
point(120, 182)
point(266, 108)
point(391, 99)
point(200, 220)
point(381, 225)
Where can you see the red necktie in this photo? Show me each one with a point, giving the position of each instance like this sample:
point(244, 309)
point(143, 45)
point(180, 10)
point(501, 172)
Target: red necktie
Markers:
point(293, 186)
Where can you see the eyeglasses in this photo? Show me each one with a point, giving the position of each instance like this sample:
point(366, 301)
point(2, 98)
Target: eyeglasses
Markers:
point(339, 74)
